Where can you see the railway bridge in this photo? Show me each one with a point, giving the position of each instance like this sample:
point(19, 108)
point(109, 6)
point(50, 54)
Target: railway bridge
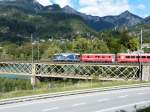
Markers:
point(100, 71)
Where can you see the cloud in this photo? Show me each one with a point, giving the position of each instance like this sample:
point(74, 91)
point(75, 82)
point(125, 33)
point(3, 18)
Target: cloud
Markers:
point(146, 15)
point(44, 2)
point(87, 2)
point(62, 3)
point(141, 7)
point(100, 7)
point(103, 7)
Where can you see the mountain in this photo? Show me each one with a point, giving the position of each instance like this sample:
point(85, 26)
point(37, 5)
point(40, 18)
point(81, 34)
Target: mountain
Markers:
point(126, 19)
point(145, 25)
point(28, 5)
point(51, 8)
point(67, 9)
point(147, 19)
point(20, 18)
point(94, 22)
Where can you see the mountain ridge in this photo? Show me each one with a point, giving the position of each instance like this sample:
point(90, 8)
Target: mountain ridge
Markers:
point(31, 5)
point(54, 21)
point(126, 17)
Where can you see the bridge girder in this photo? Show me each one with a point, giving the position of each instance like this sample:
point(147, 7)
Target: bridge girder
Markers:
point(73, 70)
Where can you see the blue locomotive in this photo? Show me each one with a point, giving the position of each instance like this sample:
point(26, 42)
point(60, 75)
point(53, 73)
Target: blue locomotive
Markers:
point(66, 57)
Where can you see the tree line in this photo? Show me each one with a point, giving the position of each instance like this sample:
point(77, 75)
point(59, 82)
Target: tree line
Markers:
point(105, 42)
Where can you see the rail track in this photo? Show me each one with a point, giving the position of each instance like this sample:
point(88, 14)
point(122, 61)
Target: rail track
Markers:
point(80, 63)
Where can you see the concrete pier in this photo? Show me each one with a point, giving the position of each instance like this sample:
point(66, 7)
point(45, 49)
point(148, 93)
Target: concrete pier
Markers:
point(146, 72)
point(34, 80)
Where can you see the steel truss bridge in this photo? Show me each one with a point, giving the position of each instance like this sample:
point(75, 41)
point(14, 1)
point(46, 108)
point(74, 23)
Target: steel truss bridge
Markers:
point(73, 70)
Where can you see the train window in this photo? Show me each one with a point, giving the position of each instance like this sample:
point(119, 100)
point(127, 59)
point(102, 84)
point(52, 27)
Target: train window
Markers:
point(127, 56)
point(143, 56)
point(137, 56)
point(103, 56)
point(132, 56)
point(96, 56)
point(109, 56)
point(148, 56)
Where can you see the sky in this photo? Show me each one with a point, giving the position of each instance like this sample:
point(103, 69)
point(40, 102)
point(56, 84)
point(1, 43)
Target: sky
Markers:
point(104, 7)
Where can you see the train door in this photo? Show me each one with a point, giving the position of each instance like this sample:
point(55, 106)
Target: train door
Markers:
point(114, 58)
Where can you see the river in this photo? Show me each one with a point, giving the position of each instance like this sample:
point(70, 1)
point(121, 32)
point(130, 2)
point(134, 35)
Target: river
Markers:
point(12, 76)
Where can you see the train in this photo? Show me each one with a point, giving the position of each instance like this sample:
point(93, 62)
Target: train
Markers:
point(102, 58)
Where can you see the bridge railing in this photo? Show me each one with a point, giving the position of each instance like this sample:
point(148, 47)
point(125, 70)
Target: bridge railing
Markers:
point(16, 68)
point(87, 71)
point(78, 70)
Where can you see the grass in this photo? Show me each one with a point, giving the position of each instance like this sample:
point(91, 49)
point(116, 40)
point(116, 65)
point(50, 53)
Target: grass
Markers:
point(54, 87)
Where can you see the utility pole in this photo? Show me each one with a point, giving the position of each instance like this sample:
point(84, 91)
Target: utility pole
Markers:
point(140, 64)
point(32, 52)
point(38, 49)
point(38, 43)
point(33, 78)
point(141, 38)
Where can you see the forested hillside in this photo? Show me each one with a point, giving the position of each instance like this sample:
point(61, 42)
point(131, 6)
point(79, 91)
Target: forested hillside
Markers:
point(20, 18)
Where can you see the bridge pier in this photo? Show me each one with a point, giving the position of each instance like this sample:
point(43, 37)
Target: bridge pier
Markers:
point(146, 72)
point(33, 78)
point(33, 81)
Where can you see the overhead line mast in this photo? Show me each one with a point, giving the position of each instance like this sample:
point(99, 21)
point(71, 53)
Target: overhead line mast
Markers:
point(141, 38)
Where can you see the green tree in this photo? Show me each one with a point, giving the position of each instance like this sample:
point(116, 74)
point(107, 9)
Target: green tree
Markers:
point(114, 45)
point(81, 45)
point(99, 46)
point(51, 50)
point(133, 44)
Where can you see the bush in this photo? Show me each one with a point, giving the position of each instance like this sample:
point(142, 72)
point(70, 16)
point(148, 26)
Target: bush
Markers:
point(7, 85)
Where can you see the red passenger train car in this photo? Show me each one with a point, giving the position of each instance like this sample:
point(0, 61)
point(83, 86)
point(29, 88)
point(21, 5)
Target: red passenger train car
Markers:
point(133, 58)
point(101, 58)
point(106, 58)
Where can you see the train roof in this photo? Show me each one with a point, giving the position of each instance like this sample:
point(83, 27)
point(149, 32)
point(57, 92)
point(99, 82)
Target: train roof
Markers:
point(98, 54)
point(134, 54)
point(66, 54)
